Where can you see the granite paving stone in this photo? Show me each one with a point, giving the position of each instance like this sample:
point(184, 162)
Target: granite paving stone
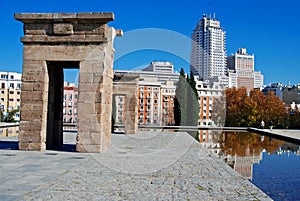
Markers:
point(145, 166)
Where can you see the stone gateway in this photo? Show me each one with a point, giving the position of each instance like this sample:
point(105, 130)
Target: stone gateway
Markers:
point(52, 42)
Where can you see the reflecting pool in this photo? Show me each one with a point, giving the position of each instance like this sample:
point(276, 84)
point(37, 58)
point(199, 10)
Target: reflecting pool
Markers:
point(272, 165)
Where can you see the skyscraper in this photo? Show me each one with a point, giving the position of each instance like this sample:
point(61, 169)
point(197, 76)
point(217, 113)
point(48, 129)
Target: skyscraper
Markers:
point(208, 54)
point(241, 71)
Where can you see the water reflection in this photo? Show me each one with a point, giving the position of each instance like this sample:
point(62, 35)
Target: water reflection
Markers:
point(241, 150)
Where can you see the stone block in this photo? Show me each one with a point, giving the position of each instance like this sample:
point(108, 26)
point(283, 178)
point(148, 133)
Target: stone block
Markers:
point(32, 95)
point(91, 138)
point(89, 148)
point(89, 118)
point(27, 86)
point(63, 29)
point(32, 146)
point(89, 127)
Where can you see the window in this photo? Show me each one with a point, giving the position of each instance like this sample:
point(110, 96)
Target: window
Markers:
point(12, 85)
point(11, 92)
point(18, 92)
point(70, 111)
point(4, 76)
point(12, 77)
point(2, 99)
point(18, 86)
point(70, 97)
point(3, 85)
point(11, 100)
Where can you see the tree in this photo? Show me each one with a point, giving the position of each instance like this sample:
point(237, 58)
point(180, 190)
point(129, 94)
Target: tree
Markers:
point(180, 102)
point(186, 104)
point(10, 116)
point(235, 110)
point(274, 109)
point(193, 102)
point(1, 115)
point(244, 110)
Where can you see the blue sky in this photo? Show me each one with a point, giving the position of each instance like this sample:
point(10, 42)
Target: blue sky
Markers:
point(269, 29)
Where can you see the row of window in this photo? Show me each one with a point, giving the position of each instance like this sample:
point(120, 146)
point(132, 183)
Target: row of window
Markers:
point(11, 85)
point(70, 111)
point(5, 76)
point(70, 97)
point(70, 120)
point(10, 100)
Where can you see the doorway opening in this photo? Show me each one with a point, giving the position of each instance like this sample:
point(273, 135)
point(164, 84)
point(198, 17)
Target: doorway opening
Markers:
point(62, 105)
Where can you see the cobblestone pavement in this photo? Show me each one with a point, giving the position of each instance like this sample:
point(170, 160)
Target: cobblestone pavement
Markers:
point(145, 166)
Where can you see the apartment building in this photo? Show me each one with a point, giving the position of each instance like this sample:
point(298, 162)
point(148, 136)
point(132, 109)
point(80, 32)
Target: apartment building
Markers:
point(241, 71)
point(10, 92)
point(207, 92)
point(70, 109)
point(156, 93)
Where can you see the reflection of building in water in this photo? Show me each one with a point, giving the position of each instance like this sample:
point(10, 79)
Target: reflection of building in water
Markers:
point(244, 165)
point(10, 131)
point(209, 139)
point(241, 164)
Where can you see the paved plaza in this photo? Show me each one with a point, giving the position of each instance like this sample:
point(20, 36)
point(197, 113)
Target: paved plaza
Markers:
point(145, 166)
point(289, 135)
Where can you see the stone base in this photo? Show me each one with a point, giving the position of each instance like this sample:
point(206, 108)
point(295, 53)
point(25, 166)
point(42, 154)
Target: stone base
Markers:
point(32, 146)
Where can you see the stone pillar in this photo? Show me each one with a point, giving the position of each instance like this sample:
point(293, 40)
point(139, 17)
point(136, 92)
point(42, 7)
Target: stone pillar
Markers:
point(53, 41)
point(127, 85)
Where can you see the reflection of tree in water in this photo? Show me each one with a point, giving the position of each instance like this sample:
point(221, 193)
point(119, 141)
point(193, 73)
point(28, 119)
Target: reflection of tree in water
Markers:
point(247, 144)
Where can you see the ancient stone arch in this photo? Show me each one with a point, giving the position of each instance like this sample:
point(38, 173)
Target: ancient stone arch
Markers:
point(52, 42)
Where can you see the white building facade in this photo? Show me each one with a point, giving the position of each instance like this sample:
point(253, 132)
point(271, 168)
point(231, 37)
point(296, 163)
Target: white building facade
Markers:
point(241, 71)
point(208, 54)
point(10, 92)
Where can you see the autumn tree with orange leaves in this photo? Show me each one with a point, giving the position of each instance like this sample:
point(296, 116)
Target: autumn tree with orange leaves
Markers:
point(243, 109)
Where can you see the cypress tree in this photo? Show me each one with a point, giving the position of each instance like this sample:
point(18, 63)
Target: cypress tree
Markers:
point(186, 105)
point(180, 102)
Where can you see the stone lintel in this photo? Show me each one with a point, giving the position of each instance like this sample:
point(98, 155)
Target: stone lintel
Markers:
point(63, 39)
point(90, 17)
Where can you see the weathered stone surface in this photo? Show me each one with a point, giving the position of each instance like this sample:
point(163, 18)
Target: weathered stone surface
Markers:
point(52, 41)
point(63, 29)
point(127, 86)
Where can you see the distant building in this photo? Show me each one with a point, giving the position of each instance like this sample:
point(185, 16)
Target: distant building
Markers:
point(207, 92)
point(275, 88)
point(241, 71)
point(70, 107)
point(208, 54)
point(291, 94)
point(10, 92)
point(160, 67)
point(156, 93)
